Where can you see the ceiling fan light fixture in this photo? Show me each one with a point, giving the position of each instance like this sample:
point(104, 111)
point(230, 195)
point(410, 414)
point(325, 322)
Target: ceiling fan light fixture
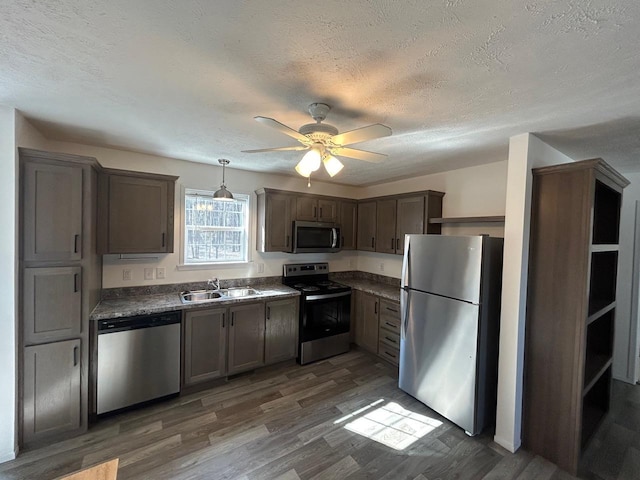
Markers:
point(223, 193)
point(332, 165)
point(310, 163)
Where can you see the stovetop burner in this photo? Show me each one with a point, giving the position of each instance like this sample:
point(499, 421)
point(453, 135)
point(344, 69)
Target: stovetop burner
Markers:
point(310, 278)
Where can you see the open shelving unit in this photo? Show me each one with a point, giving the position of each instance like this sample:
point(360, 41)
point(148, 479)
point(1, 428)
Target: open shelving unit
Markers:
point(571, 307)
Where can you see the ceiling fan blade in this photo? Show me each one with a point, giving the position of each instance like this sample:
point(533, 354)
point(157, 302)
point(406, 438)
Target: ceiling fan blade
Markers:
point(358, 135)
point(281, 127)
point(279, 149)
point(358, 154)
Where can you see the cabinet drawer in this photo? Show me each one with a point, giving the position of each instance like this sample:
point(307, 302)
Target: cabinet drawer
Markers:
point(389, 353)
point(392, 340)
point(389, 316)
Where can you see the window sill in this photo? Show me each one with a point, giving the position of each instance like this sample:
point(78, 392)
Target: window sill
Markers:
point(211, 266)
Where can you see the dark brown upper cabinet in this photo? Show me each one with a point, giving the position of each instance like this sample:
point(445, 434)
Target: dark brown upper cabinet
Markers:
point(386, 226)
point(312, 209)
point(136, 212)
point(409, 219)
point(54, 192)
point(348, 223)
point(367, 226)
point(275, 214)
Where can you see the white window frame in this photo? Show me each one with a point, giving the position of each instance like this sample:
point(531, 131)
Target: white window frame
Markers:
point(185, 265)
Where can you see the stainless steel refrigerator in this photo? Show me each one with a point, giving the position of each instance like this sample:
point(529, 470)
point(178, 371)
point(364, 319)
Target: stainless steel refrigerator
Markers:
point(450, 311)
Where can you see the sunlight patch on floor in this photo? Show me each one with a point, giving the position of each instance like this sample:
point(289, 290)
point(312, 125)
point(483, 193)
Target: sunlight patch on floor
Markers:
point(391, 424)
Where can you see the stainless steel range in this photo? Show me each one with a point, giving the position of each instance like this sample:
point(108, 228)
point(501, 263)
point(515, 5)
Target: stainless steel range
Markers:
point(325, 311)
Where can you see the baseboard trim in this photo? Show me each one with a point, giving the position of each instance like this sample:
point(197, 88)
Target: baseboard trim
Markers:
point(7, 456)
point(511, 446)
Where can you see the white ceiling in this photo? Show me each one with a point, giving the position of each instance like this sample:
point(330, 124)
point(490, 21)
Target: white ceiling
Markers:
point(452, 78)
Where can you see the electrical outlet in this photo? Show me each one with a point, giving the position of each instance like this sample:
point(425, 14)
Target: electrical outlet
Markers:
point(127, 274)
point(148, 273)
point(382, 266)
point(260, 267)
point(161, 272)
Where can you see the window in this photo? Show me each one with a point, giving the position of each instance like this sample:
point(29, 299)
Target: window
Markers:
point(215, 231)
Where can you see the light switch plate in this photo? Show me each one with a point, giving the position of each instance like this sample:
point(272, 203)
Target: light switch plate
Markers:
point(260, 267)
point(127, 274)
point(148, 273)
point(161, 272)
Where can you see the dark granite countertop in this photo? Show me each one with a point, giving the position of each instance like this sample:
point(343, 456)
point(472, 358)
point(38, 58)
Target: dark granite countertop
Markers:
point(381, 289)
point(128, 306)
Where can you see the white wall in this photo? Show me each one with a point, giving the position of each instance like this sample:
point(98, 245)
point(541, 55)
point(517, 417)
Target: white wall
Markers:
point(525, 152)
point(204, 176)
point(473, 191)
point(8, 280)
point(625, 351)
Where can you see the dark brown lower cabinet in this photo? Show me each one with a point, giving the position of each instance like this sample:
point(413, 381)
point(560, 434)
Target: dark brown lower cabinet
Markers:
point(51, 403)
point(281, 330)
point(205, 345)
point(367, 321)
point(246, 337)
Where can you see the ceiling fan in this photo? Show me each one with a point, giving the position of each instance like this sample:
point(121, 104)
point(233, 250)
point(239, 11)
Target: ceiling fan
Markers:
point(323, 141)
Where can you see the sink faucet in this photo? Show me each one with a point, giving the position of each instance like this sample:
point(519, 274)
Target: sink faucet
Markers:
point(214, 283)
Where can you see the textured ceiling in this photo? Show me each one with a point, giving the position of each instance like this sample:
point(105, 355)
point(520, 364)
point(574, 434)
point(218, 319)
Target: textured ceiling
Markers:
point(452, 78)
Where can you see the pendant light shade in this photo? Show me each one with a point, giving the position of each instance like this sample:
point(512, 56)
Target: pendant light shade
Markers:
point(223, 193)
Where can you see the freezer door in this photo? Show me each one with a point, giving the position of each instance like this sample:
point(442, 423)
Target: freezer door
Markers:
point(438, 356)
point(444, 265)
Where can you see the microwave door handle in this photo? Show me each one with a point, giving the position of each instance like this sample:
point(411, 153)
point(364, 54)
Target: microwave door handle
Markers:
point(334, 234)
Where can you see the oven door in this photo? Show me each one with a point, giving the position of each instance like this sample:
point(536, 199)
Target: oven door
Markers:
point(325, 315)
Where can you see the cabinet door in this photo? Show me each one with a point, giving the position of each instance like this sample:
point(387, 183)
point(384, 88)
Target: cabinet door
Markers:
point(205, 345)
point(246, 337)
point(306, 209)
point(367, 226)
point(348, 224)
point(52, 300)
point(278, 227)
point(409, 219)
point(51, 401)
point(138, 215)
point(281, 332)
point(52, 212)
point(386, 226)
point(327, 210)
point(367, 321)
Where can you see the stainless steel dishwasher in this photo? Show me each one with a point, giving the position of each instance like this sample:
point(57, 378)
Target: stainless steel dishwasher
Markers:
point(138, 360)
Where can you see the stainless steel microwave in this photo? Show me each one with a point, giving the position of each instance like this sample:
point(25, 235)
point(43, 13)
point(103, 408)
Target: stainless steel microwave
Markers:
point(315, 237)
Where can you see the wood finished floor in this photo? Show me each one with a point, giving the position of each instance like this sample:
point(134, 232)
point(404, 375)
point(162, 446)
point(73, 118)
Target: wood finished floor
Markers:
point(279, 422)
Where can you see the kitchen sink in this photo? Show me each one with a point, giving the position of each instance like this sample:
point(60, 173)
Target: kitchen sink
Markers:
point(239, 292)
point(196, 296)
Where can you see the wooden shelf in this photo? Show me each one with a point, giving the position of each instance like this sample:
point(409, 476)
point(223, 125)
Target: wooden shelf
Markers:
point(594, 367)
point(601, 311)
point(489, 219)
point(605, 248)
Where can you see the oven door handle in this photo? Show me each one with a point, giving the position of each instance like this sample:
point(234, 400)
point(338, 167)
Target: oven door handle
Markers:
point(325, 296)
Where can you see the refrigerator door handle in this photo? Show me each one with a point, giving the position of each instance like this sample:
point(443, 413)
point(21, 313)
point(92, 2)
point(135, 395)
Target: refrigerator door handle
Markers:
point(404, 313)
point(405, 262)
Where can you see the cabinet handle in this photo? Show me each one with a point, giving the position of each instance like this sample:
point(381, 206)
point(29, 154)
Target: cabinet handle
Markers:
point(390, 339)
point(75, 356)
point(392, 356)
point(391, 309)
point(75, 283)
point(163, 239)
point(373, 242)
point(390, 325)
point(392, 243)
point(397, 244)
point(223, 320)
point(315, 212)
point(320, 212)
point(233, 315)
point(287, 241)
point(76, 237)
point(268, 313)
point(375, 307)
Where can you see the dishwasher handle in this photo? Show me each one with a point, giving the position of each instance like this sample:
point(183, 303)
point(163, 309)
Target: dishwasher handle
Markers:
point(133, 323)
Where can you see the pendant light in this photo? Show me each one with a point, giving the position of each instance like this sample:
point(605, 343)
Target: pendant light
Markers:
point(223, 193)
